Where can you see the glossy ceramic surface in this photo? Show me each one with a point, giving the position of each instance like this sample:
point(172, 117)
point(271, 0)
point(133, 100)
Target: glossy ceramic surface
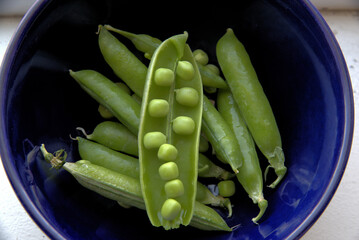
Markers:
point(298, 63)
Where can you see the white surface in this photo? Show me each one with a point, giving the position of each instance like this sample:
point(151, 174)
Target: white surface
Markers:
point(337, 4)
point(14, 7)
point(339, 221)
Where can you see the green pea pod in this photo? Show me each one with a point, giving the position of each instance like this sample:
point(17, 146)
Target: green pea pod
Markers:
point(206, 168)
point(111, 96)
point(103, 150)
point(142, 42)
point(169, 135)
point(252, 101)
point(108, 158)
point(125, 189)
point(250, 174)
point(205, 196)
point(220, 136)
point(114, 135)
point(148, 45)
point(105, 157)
point(211, 79)
point(122, 61)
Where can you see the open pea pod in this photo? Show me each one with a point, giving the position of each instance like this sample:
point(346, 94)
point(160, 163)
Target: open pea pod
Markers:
point(169, 134)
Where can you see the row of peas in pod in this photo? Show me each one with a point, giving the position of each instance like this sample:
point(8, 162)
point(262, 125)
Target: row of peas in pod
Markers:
point(158, 149)
point(169, 134)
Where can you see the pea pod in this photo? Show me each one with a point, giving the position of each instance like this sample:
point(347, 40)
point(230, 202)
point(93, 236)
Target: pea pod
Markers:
point(122, 61)
point(169, 135)
point(114, 135)
point(101, 151)
point(206, 168)
point(148, 45)
point(105, 157)
point(250, 174)
point(220, 136)
point(125, 189)
point(252, 101)
point(111, 96)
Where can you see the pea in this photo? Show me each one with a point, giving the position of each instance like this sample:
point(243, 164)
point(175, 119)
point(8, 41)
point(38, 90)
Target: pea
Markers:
point(104, 112)
point(174, 188)
point(226, 188)
point(167, 152)
point(183, 125)
point(164, 77)
point(185, 70)
point(158, 108)
point(203, 144)
point(213, 68)
point(168, 171)
point(200, 56)
point(187, 96)
point(170, 209)
point(153, 140)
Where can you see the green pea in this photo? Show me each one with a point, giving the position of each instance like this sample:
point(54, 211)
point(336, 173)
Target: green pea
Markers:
point(210, 90)
point(158, 108)
point(170, 209)
point(168, 171)
point(104, 112)
point(187, 96)
point(164, 77)
point(174, 188)
point(185, 70)
point(213, 68)
point(153, 140)
point(200, 56)
point(226, 188)
point(203, 144)
point(183, 125)
point(167, 152)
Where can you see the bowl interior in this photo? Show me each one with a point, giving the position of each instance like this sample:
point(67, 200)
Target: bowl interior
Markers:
point(297, 62)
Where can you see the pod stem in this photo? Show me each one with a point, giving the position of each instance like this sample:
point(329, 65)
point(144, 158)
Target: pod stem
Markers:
point(57, 160)
point(262, 204)
point(277, 163)
point(83, 131)
point(227, 204)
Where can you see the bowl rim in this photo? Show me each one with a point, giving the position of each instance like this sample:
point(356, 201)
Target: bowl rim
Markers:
point(11, 173)
point(318, 209)
point(348, 131)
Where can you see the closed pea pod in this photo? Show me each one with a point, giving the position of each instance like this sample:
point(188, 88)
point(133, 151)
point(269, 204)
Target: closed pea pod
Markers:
point(125, 189)
point(122, 61)
point(181, 126)
point(252, 101)
point(250, 174)
point(104, 112)
point(108, 158)
point(111, 96)
point(220, 136)
point(114, 135)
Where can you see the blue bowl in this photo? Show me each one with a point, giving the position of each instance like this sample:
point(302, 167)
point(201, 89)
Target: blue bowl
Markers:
point(299, 64)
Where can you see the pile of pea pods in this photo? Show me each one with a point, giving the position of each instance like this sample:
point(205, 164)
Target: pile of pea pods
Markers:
point(162, 133)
